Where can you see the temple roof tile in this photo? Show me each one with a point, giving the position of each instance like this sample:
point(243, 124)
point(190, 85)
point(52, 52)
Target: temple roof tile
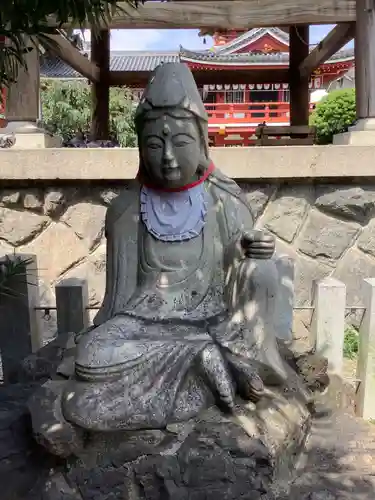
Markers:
point(250, 37)
point(226, 54)
point(273, 58)
point(120, 61)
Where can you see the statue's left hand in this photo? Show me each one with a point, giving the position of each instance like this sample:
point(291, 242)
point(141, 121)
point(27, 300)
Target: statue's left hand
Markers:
point(258, 244)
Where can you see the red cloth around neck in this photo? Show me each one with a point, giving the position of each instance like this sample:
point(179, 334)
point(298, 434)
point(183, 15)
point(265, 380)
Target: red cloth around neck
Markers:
point(208, 172)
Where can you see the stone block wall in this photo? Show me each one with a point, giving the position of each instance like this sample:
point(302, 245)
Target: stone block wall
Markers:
point(329, 229)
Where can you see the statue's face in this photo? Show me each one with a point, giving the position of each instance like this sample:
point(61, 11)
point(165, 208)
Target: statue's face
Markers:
point(171, 150)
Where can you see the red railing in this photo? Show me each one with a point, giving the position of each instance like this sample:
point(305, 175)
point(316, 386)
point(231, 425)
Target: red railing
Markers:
point(3, 121)
point(254, 113)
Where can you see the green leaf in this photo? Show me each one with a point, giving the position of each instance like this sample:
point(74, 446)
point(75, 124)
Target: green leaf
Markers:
point(10, 269)
point(66, 110)
point(334, 114)
point(22, 20)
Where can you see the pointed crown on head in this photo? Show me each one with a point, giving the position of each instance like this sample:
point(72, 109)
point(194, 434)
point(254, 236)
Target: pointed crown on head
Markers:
point(172, 89)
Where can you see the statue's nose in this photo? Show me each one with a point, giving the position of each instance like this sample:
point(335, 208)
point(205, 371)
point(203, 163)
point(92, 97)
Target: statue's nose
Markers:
point(169, 157)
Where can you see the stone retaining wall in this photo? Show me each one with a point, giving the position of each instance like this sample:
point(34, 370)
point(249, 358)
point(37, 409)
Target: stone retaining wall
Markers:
point(328, 228)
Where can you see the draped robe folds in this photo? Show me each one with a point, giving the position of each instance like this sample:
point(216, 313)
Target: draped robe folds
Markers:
point(139, 367)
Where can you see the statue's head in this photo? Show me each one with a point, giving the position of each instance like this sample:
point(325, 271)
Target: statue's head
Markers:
point(171, 124)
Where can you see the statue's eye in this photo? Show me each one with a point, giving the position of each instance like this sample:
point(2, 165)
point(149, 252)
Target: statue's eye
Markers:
point(182, 140)
point(154, 145)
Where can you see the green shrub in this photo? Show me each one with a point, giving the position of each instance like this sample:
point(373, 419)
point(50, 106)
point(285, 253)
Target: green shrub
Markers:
point(66, 110)
point(334, 114)
point(351, 343)
point(10, 269)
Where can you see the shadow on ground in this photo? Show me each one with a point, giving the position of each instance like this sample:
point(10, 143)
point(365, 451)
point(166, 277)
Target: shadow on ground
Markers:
point(339, 461)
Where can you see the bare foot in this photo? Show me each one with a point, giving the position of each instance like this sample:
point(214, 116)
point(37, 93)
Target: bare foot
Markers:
point(249, 384)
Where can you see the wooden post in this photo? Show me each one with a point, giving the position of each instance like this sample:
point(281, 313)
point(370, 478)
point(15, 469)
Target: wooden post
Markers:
point(22, 103)
point(20, 332)
point(365, 400)
point(363, 132)
point(328, 324)
point(100, 55)
point(71, 305)
point(365, 59)
point(22, 107)
point(299, 86)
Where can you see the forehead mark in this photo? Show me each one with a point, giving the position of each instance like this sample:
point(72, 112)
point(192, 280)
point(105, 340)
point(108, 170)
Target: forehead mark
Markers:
point(166, 129)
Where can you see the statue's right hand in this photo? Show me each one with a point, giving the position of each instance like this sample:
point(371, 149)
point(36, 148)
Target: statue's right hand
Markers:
point(258, 244)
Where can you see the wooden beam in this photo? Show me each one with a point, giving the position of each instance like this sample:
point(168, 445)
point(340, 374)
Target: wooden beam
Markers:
point(332, 43)
point(285, 29)
point(365, 59)
point(64, 49)
point(232, 14)
point(100, 55)
point(299, 86)
point(204, 77)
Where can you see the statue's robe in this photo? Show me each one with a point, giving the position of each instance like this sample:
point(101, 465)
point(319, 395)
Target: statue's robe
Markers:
point(139, 366)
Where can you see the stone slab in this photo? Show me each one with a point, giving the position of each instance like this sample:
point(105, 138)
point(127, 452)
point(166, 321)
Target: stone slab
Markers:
point(325, 237)
point(355, 138)
point(52, 263)
point(355, 203)
point(36, 141)
point(18, 227)
point(285, 215)
point(292, 162)
point(50, 429)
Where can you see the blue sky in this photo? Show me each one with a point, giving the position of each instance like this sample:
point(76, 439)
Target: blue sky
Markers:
point(171, 39)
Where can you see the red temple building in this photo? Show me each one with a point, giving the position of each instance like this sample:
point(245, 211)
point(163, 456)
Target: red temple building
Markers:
point(235, 110)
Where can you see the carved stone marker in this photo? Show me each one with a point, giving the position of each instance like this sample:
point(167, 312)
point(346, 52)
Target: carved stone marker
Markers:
point(20, 333)
point(183, 353)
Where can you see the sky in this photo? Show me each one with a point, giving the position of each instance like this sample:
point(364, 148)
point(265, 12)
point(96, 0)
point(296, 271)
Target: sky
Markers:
point(172, 39)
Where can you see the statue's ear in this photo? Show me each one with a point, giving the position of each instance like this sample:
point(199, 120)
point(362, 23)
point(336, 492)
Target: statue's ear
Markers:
point(204, 163)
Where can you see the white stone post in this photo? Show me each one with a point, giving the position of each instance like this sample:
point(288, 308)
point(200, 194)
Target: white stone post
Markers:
point(20, 329)
point(285, 298)
point(365, 398)
point(328, 323)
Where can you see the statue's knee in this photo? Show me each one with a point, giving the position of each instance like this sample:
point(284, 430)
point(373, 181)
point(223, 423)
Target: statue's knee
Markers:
point(88, 344)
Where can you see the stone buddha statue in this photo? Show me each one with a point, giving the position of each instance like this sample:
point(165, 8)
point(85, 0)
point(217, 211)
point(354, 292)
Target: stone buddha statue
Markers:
point(187, 318)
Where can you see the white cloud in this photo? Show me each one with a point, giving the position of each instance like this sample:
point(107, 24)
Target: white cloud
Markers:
point(135, 39)
point(131, 39)
point(150, 39)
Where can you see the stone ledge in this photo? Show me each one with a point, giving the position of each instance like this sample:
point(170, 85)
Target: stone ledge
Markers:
point(298, 162)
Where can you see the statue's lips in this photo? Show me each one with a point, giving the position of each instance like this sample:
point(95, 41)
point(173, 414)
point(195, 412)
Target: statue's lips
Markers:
point(172, 174)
